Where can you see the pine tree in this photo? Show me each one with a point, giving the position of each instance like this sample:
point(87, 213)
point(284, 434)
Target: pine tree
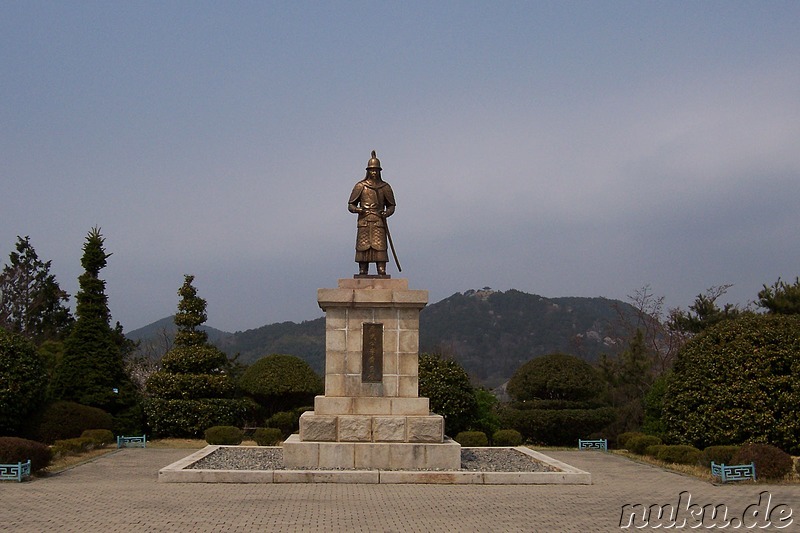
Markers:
point(92, 370)
point(31, 302)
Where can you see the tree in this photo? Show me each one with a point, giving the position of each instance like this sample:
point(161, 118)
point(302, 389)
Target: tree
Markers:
point(31, 302)
point(92, 371)
point(629, 377)
point(557, 400)
point(23, 382)
point(738, 381)
point(280, 382)
point(445, 383)
point(194, 389)
point(704, 312)
point(781, 298)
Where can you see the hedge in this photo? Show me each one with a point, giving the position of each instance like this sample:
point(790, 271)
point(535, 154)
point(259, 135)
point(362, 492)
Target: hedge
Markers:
point(556, 427)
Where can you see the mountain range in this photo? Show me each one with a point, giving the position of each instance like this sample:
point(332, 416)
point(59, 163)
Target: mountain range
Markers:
point(490, 333)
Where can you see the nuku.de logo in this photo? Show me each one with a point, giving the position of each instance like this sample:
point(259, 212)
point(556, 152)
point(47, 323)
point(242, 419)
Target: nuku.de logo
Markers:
point(686, 514)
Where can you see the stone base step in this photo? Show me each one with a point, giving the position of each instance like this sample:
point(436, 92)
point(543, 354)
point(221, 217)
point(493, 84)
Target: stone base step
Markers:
point(367, 428)
point(371, 455)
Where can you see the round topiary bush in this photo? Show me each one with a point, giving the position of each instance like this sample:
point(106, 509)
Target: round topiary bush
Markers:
point(286, 421)
point(100, 437)
point(224, 435)
point(652, 451)
point(681, 454)
point(507, 437)
point(67, 420)
point(771, 462)
point(472, 439)
point(638, 445)
point(555, 377)
point(721, 455)
point(737, 381)
point(280, 382)
point(15, 450)
point(268, 436)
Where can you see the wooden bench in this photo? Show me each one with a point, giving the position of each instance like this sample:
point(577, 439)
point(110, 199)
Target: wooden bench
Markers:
point(733, 472)
point(597, 444)
point(128, 442)
point(15, 472)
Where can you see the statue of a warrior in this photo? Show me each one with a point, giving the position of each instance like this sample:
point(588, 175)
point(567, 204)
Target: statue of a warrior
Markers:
point(373, 200)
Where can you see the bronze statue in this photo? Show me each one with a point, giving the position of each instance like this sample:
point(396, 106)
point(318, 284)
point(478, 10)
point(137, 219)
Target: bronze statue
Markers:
point(373, 200)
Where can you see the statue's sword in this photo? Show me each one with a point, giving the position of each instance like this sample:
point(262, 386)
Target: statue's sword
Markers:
point(391, 244)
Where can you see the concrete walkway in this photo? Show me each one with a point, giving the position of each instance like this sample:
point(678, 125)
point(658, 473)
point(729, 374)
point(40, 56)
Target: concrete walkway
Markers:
point(120, 492)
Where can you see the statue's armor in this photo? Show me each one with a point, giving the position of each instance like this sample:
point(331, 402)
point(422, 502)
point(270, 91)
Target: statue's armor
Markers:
point(373, 197)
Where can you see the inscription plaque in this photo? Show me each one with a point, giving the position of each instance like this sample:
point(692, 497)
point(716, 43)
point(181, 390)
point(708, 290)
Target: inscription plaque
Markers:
point(372, 353)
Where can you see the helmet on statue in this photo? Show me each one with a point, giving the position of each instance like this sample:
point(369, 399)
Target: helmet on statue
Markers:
point(374, 162)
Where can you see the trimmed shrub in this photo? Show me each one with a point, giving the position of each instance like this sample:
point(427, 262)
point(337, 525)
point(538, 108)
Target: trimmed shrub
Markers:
point(472, 439)
point(681, 454)
point(189, 386)
point(100, 437)
point(623, 438)
point(201, 359)
point(225, 435)
point(507, 437)
point(286, 421)
point(280, 382)
point(653, 451)
point(190, 418)
point(638, 445)
point(16, 450)
point(556, 427)
point(771, 462)
point(719, 454)
point(268, 436)
point(75, 446)
point(555, 377)
point(67, 420)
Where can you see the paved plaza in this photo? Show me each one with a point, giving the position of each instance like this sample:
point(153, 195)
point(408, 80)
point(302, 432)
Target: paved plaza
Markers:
point(120, 492)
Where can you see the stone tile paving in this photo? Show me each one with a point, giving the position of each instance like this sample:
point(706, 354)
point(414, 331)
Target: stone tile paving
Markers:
point(120, 492)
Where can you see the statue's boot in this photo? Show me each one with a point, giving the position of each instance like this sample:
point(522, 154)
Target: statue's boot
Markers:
point(381, 268)
point(363, 269)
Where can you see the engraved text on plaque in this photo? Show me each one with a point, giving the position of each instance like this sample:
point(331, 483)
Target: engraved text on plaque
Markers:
point(372, 353)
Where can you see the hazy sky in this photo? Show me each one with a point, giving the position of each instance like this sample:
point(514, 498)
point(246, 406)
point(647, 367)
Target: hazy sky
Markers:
point(559, 148)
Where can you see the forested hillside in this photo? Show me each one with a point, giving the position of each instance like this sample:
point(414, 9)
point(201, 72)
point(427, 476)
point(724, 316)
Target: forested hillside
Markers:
point(491, 333)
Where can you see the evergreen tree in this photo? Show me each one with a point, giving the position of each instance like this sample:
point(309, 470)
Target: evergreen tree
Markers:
point(31, 302)
point(92, 371)
point(194, 389)
point(190, 316)
point(704, 312)
point(781, 298)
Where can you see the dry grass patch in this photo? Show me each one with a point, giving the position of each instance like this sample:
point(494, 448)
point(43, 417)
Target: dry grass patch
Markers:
point(59, 464)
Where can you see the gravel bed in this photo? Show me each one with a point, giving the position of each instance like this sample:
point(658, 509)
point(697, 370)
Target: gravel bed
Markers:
point(472, 460)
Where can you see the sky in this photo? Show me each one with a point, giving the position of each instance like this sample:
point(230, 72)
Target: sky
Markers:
point(558, 148)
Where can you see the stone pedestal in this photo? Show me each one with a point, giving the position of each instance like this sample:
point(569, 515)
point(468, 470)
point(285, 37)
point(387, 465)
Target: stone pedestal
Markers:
point(371, 416)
